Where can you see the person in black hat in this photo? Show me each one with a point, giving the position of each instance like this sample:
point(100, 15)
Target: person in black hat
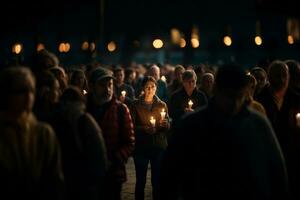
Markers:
point(115, 121)
point(224, 150)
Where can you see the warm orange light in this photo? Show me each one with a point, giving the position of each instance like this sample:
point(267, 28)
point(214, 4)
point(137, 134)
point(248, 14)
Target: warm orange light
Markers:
point(258, 40)
point(85, 46)
point(17, 48)
point(227, 41)
point(290, 39)
point(158, 43)
point(175, 36)
point(182, 43)
point(111, 46)
point(195, 42)
point(61, 47)
point(92, 46)
point(40, 46)
point(67, 47)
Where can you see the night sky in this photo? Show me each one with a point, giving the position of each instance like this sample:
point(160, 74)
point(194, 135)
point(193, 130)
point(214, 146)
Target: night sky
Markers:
point(121, 16)
point(127, 21)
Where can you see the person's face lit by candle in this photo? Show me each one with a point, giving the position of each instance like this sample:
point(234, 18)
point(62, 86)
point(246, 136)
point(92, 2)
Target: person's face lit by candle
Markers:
point(149, 90)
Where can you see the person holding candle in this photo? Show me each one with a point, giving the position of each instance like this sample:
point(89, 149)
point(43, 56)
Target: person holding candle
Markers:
point(124, 92)
point(151, 121)
point(186, 99)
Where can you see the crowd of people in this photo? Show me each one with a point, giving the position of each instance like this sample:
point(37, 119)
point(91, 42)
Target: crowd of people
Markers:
point(208, 132)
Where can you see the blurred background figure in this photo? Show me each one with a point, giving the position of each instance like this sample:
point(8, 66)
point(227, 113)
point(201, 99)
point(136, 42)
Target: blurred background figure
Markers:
point(177, 81)
point(224, 150)
point(79, 80)
point(162, 91)
point(83, 148)
point(30, 160)
point(250, 93)
point(207, 84)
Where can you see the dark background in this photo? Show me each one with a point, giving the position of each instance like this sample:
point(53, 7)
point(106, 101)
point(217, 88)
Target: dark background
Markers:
point(132, 22)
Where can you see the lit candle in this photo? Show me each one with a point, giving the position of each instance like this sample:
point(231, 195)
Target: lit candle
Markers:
point(123, 93)
point(163, 78)
point(190, 104)
point(152, 121)
point(84, 92)
point(163, 114)
point(298, 119)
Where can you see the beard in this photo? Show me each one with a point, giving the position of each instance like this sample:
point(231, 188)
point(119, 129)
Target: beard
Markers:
point(102, 99)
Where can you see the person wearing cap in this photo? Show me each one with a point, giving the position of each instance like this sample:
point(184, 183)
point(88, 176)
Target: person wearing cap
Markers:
point(224, 150)
point(115, 121)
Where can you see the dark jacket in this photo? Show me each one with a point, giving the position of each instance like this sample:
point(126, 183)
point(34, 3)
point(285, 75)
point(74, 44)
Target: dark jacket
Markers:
point(141, 118)
point(179, 101)
point(215, 156)
point(30, 162)
point(118, 133)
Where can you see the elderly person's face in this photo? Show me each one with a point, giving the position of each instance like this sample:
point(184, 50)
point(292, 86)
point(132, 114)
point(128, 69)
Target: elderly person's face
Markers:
point(155, 72)
point(22, 95)
point(103, 90)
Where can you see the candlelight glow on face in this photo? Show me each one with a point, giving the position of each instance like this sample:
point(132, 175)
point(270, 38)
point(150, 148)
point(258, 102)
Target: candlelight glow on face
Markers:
point(190, 103)
point(152, 121)
point(163, 114)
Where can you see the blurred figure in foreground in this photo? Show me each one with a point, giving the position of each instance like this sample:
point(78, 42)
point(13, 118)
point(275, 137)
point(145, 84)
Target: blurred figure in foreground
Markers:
point(224, 150)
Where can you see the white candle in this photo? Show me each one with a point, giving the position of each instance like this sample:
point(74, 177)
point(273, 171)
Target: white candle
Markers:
point(163, 114)
point(123, 93)
point(298, 119)
point(152, 121)
point(190, 104)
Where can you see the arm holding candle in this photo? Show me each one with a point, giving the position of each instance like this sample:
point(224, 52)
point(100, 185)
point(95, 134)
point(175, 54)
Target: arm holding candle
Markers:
point(164, 123)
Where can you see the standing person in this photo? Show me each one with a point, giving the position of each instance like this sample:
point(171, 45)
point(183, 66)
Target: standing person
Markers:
point(186, 99)
point(115, 121)
point(83, 148)
point(151, 136)
point(121, 87)
point(177, 82)
point(225, 150)
point(30, 162)
point(272, 98)
point(162, 90)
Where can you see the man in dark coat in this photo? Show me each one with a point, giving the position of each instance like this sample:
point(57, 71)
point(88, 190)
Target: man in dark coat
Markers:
point(225, 150)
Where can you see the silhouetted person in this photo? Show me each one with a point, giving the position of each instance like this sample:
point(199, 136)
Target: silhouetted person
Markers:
point(83, 148)
point(224, 150)
point(30, 162)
